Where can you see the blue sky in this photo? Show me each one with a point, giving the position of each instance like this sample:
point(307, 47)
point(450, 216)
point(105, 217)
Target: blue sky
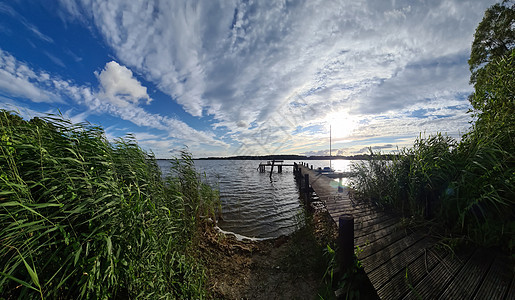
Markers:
point(244, 77)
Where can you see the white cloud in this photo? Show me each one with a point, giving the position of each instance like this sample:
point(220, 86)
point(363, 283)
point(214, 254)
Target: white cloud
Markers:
point(263, 69)
point(242, 61)
point(56, 60)
point(118, 95)
point(120, 87)
point(18, 80)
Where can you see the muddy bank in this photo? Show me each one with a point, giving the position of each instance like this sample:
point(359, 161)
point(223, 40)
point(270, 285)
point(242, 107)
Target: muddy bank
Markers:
point(288, 267)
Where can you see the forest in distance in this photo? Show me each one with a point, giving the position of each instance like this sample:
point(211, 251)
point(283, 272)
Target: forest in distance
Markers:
point(292, 157)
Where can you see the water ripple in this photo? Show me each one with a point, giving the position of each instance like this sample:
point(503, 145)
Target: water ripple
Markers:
point(251, 204)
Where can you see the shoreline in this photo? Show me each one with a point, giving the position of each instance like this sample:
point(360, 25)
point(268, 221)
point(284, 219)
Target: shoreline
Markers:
point(282, 267)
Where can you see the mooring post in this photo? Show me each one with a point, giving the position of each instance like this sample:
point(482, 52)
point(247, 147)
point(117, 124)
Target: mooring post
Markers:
point(272, 170)
point(279, 169)
point(346, 241)
point(340, 187)
point(307, 190)
point(311, 167)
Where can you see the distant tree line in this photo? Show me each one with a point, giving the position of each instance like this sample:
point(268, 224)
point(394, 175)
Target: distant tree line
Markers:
point(301, 157)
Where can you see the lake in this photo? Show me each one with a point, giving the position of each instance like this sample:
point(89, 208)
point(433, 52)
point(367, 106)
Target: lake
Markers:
point(252, 205)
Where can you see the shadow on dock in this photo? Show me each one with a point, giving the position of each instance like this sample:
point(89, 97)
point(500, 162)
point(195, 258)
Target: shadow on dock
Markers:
point(404, 262)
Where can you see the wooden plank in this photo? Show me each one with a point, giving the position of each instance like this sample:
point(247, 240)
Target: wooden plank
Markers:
point(363, 226)
point(402, 282)
point(468, 279)
point(366, 215)
point(376, 227)
point(376, 246)
point(364, 223)
point(511, 291)
point(372, 262)
point(372, 237)
point(397, 263)
point(432, 285)
point(497, 280)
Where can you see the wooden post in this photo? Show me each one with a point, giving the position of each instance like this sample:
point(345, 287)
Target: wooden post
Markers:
point(279, 169)
point(311, 167)
point(307, 190)
point(340, 187)
point(346, 241)
point(272, 169)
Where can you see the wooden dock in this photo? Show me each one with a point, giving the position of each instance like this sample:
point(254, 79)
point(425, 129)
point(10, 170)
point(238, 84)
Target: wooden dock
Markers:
point(277, 163)
point(406, 263)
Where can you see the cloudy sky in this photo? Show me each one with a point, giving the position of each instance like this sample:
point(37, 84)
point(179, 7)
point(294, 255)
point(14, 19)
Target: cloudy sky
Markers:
point(244, 77)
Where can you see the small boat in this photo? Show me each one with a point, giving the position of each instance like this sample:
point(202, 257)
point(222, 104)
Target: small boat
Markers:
point(325, 170)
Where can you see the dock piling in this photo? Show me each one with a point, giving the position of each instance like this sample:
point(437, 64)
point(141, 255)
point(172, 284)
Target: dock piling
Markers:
point(346, 241)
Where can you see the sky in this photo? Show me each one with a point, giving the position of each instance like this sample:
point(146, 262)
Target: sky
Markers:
point(230, 77)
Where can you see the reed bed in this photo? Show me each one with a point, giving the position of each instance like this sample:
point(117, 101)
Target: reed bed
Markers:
point(81, 217)
point(465, 187)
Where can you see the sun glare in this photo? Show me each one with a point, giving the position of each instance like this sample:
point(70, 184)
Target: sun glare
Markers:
point(342, 125)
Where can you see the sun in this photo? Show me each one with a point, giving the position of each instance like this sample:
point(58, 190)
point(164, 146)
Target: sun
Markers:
point(342, 125)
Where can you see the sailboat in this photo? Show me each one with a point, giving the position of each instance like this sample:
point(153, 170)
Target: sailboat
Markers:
point(328, 170)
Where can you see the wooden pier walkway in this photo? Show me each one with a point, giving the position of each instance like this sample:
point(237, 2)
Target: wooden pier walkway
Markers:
point(406, 263)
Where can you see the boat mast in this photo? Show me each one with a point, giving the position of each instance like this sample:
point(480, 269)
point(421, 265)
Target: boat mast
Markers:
point(330, 149)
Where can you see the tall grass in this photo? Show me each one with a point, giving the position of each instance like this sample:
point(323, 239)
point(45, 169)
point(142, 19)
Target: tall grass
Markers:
point(467, 187)
point(83, 218)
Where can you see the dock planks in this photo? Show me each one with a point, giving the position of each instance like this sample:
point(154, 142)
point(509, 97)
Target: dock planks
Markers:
point(406, 264)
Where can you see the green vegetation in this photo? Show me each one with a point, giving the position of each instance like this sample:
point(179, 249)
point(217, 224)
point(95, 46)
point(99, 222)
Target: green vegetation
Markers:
point(467, 186)
point(83, 218)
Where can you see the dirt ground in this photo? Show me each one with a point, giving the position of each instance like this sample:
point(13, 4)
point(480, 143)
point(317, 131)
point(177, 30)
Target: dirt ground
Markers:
point(289, 267)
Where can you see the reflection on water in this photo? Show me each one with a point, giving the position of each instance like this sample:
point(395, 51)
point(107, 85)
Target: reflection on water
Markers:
point(251, 204)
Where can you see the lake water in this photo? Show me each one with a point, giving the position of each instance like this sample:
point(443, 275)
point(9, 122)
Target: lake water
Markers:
point(252, 205)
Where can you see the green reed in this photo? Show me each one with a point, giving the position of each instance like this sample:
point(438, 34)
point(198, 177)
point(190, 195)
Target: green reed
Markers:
point(466, 187)
point(84, 218)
